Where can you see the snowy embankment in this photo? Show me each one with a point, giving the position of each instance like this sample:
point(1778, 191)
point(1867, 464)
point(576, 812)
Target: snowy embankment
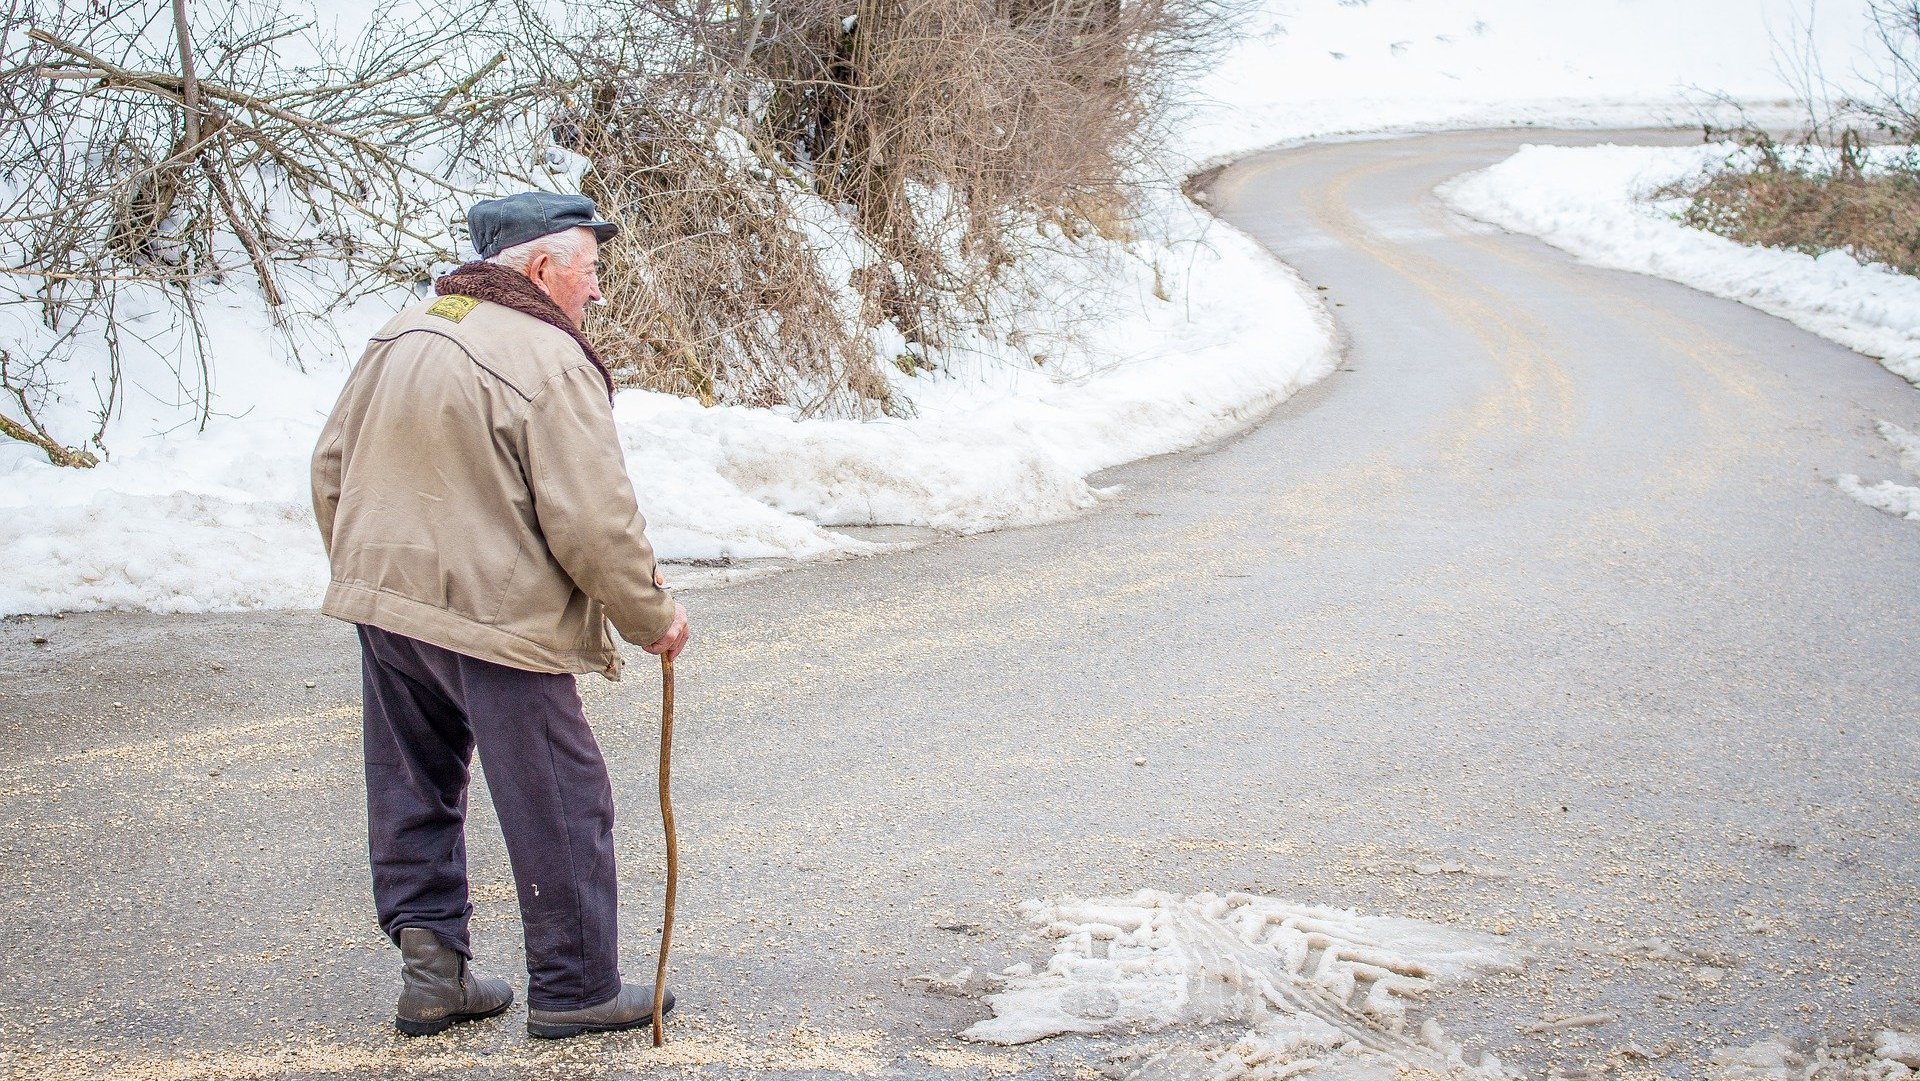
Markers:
point(1156, 345)
point(1596, 202)
point(1600, 204)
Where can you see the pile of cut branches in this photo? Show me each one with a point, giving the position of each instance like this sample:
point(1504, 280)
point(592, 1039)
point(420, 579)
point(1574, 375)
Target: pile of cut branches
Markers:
point(138, 156)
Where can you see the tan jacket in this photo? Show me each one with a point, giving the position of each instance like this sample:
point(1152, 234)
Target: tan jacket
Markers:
point(472, 493)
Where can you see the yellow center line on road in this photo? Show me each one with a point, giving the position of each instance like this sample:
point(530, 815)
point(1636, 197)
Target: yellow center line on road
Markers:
point(1730, 398)
point(1539, 402)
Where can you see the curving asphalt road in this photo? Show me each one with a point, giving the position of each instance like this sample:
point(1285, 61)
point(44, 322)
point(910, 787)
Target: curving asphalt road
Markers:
point(1549, 588)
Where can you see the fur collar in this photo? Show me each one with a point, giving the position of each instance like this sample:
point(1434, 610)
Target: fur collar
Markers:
point(500, 285)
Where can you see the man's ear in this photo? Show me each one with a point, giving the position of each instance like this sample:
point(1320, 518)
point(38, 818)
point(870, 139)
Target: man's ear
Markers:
point(537, 268)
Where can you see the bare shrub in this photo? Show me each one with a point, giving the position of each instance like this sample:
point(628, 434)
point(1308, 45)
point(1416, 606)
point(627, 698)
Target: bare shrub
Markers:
point(942, 130)
point(1832, 188)
point(717, 291)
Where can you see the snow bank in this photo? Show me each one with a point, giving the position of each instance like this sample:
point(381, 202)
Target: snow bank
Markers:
point(1312, 68)
point(1164, 343)
point(1296, 988)
point(1592, 202)
point(1899, 500)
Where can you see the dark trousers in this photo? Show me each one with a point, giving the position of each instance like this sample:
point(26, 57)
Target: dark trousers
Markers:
point(427, 709)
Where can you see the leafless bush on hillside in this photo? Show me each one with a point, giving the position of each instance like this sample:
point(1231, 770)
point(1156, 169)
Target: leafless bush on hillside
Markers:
point(714, 289)
point(943, 129)
point(1872, 215)
point(948, 125)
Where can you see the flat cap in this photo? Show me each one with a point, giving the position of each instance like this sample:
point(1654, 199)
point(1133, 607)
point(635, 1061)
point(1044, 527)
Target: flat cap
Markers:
point(498, 224)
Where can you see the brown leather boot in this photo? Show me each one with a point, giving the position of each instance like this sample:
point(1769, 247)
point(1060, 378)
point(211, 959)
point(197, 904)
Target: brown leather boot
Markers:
point(437, 990)
point(631, 1008)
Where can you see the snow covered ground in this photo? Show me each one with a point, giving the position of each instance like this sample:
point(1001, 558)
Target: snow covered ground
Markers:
point(1900, 500)
point(1313, 68)
point(1892, 1056)
point(1168, 341)
point(1594, 202)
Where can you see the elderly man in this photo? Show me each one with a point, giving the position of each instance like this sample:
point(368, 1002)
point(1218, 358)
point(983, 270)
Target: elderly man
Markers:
point(482, 531)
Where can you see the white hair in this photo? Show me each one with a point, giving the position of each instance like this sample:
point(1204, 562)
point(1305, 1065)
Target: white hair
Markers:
point(564, 247)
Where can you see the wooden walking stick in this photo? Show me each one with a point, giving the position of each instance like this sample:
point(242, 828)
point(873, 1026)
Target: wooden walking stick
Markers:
point(673, 846)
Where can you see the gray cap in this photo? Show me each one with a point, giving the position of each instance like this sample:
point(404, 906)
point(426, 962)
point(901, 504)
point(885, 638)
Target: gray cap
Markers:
point(498, 224)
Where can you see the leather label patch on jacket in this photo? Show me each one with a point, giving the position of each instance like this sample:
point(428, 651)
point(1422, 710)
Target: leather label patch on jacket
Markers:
point(453, 307)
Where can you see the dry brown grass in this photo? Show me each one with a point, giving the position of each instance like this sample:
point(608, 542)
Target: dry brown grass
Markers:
point(1780, 201)
point(714, 290)
point(1831, 190)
